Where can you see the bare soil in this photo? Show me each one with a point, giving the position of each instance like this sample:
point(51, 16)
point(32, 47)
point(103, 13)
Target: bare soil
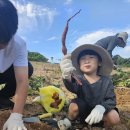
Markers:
point(34, 109)
point(53, 74)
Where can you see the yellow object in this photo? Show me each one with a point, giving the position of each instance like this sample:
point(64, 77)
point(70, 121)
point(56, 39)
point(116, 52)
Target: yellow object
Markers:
point(52, 98)
point(45, 115)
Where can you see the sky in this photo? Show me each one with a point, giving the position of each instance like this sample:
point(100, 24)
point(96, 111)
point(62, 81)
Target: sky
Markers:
point(41, 24)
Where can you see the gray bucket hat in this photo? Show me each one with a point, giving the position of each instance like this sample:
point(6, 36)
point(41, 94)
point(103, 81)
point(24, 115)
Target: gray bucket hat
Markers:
point(106, 64)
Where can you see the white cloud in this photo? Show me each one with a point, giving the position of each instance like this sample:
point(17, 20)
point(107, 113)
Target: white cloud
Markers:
point(52, 38)
point(31, 15)
point(123, 52)
point(127, 48)
point(128, 31)
point(68, 2)
point(91, 38)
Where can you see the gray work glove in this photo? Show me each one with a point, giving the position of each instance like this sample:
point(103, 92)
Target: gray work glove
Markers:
point(66, 67)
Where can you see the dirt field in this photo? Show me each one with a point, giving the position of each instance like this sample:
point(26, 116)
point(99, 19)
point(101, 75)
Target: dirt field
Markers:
point(35, 109)
point(53, 74)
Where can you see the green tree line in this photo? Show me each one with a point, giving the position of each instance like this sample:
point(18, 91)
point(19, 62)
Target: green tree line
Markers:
point(124, 62)
point(118, 60)
point(35, 56)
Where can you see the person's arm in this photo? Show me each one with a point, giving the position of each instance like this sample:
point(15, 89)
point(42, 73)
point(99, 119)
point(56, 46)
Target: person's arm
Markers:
point(72, 85)
point(111, 45)
point(21, 74)
point(67, 68)
point(109, 101)
point(15, 120)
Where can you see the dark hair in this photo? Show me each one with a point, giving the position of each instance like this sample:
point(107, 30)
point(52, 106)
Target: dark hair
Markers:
point(89, 52)
point(8, 21)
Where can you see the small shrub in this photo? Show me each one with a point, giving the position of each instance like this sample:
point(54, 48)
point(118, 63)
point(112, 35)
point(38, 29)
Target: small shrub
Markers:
point(36, 82)
point(121, 78)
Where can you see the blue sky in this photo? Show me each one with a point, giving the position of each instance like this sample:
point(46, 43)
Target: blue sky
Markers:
point(41, 23)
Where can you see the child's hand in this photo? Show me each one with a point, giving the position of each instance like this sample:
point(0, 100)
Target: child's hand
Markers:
point(66, 66)
point(96, 115)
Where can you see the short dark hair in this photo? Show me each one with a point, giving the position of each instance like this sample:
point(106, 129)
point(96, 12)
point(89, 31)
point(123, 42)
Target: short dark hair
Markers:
point(89, 52)
point(8, 21)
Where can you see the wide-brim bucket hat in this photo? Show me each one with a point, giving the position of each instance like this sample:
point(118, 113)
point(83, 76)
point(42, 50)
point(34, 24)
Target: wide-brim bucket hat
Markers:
point(106, 64)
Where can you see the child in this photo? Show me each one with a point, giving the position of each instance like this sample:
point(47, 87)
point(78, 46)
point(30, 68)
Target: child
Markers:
point(96, 101)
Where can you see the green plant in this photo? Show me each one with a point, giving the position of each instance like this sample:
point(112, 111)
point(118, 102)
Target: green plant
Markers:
point(124, 62)
point(32, 92)
point(121, 78)
point(36, 81)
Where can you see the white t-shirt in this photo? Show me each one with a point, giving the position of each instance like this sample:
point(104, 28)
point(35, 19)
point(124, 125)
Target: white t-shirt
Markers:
point(15, 53)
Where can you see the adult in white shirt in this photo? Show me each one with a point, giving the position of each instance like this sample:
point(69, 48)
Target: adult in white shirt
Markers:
point(14, 67)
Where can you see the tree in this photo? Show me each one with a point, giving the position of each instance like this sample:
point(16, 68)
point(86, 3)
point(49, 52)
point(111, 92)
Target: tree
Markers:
point(35, 56)
point(125, 62)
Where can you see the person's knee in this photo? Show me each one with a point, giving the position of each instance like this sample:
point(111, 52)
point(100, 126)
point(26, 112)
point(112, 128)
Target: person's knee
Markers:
point(112, 117)
point(73, 107)
point(114, 120)
point(73, 111)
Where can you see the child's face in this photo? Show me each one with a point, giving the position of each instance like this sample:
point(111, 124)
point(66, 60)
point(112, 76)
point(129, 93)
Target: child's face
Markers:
point(89, 64)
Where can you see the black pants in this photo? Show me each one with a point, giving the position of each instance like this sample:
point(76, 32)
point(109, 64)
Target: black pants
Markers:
point(8, 78)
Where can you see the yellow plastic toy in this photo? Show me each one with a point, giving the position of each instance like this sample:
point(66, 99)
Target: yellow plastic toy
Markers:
point(51, 98)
